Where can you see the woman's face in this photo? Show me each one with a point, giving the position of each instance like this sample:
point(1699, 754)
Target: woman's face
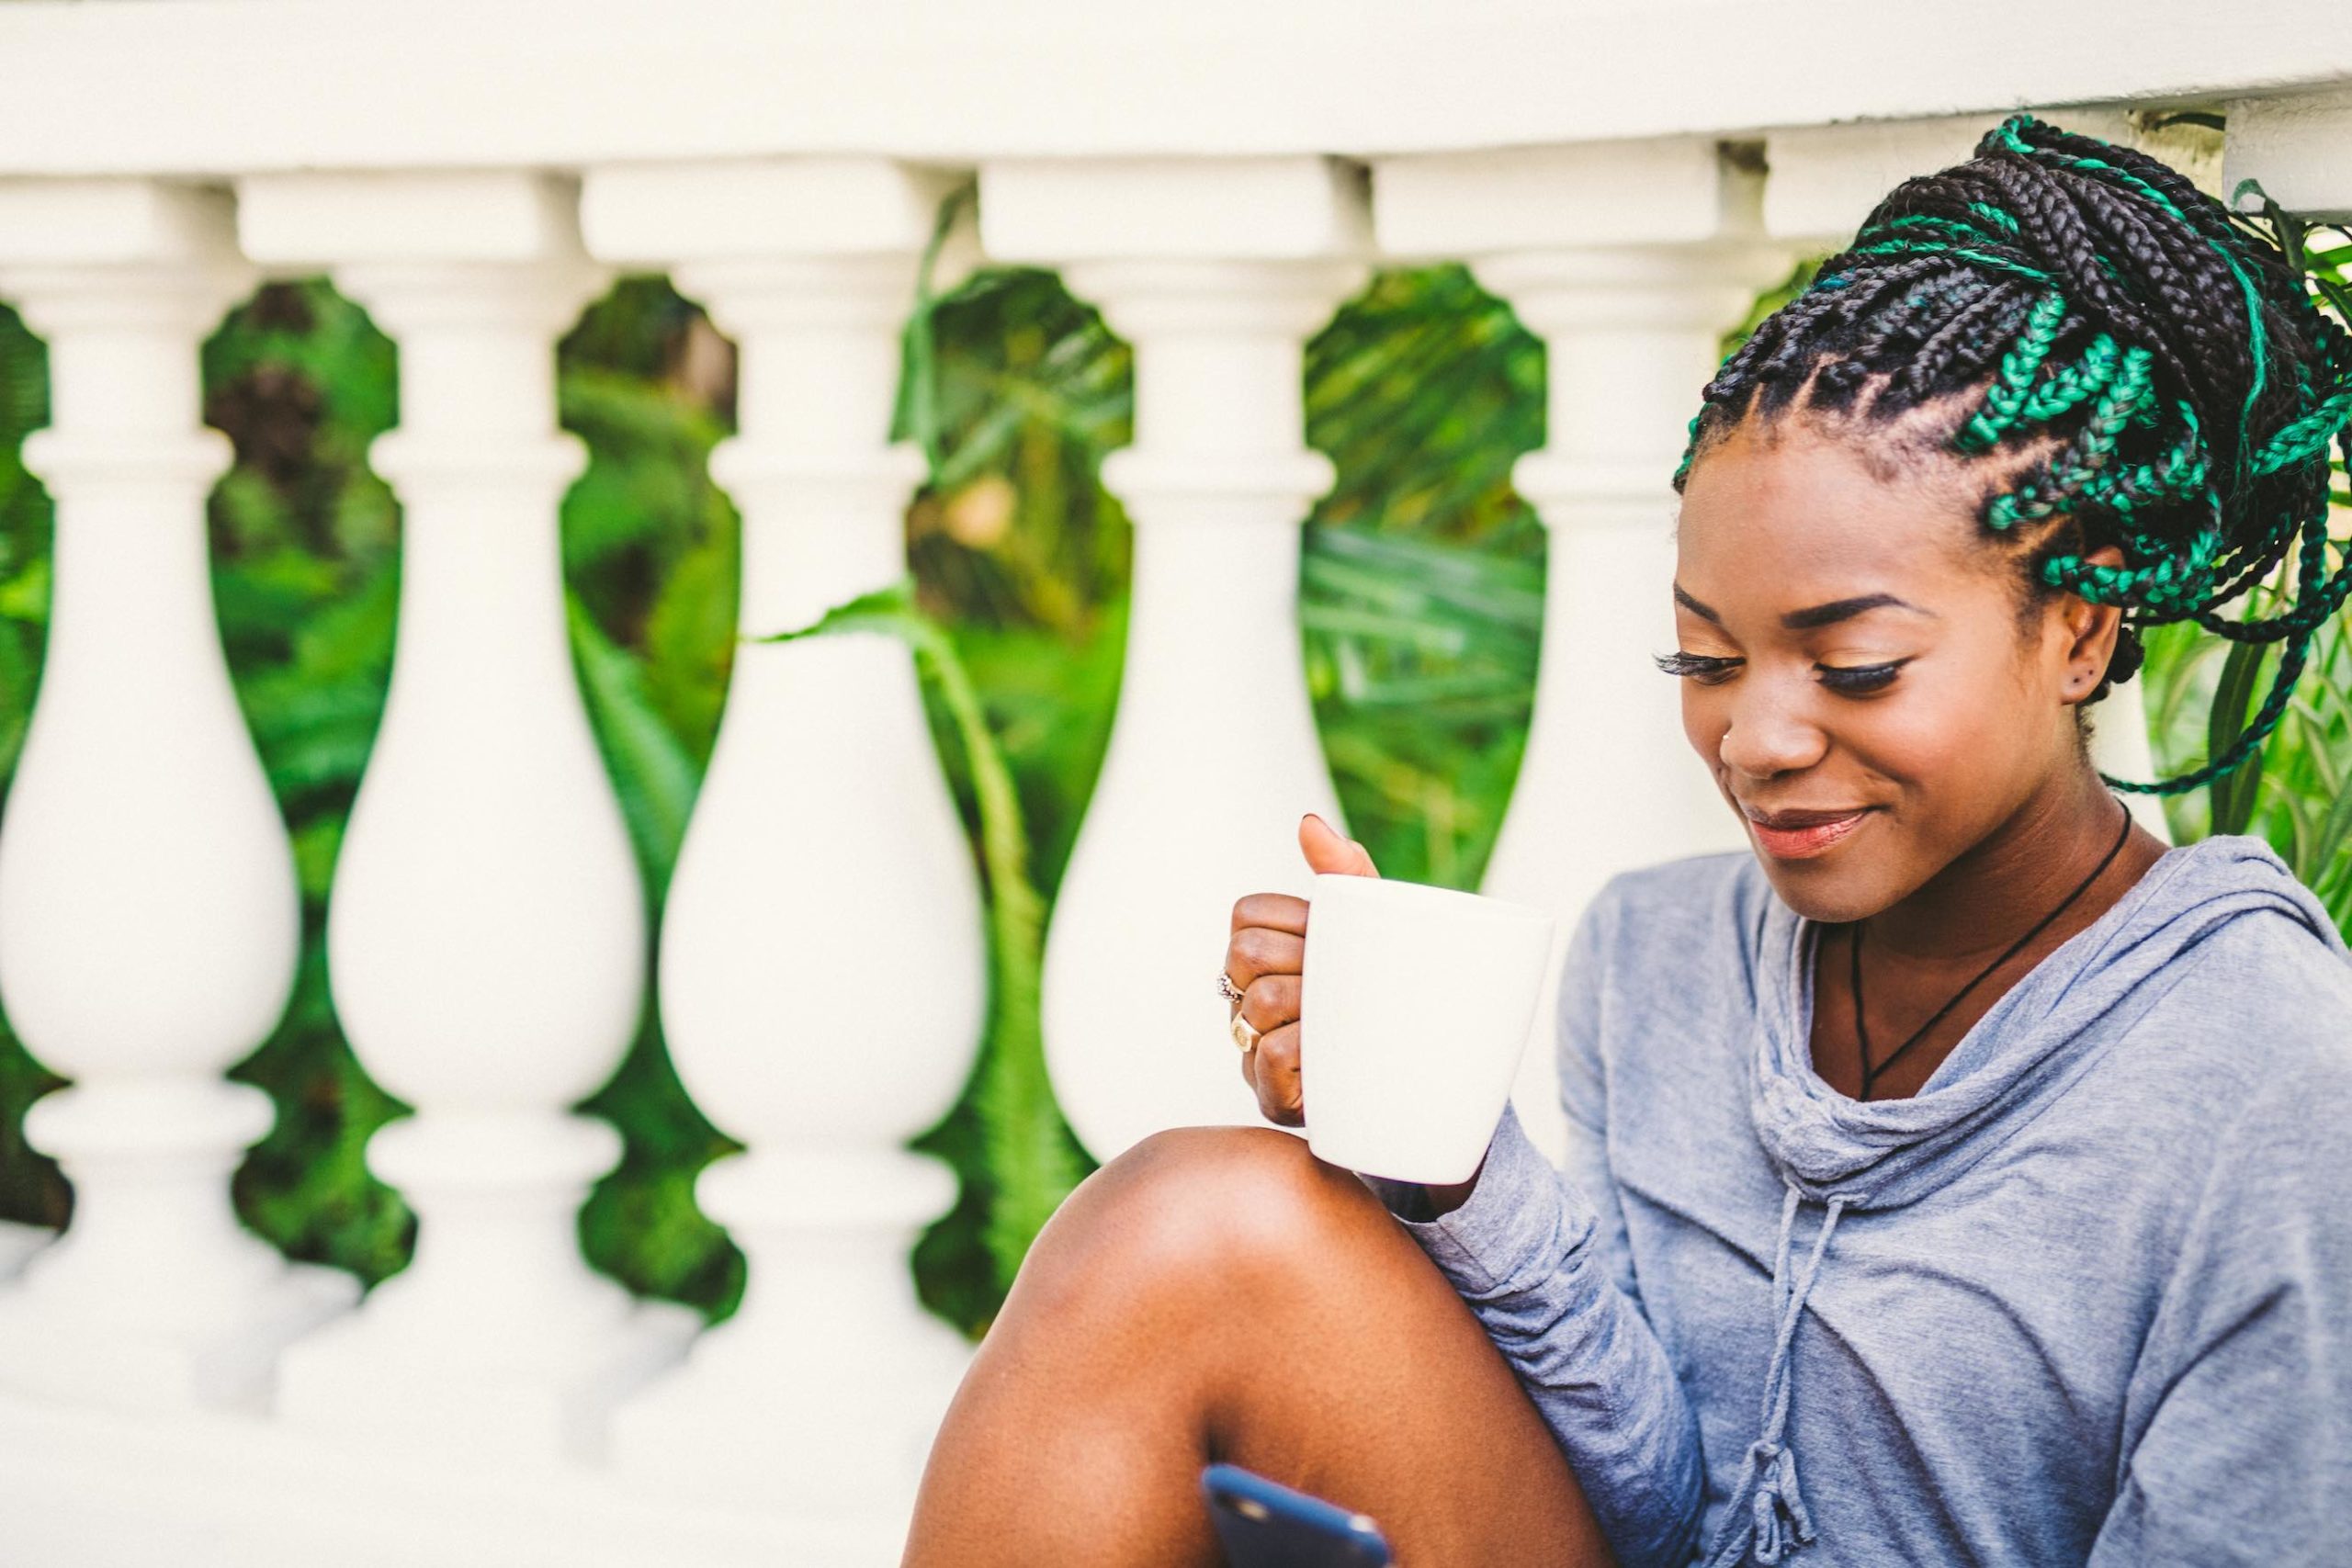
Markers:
point(1856, 677)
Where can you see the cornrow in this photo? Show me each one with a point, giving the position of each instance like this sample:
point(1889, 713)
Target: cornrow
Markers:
point(2149, 365)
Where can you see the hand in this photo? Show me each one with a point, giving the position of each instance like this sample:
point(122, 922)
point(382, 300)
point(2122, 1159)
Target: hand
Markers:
point(1265, 958)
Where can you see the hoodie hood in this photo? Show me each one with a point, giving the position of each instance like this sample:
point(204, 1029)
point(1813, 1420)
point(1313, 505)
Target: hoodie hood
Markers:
point(1884, 1154)
point(1847, 1154)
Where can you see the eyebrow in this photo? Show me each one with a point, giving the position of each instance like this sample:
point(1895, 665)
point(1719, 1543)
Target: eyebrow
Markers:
point(1815, 615)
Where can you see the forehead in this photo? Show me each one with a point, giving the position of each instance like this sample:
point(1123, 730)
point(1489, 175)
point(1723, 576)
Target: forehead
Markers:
point(1798, 516)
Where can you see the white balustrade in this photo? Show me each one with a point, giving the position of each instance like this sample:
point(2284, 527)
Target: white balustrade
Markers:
point(485, 935)
point(822, 957)
point(18, 1243)
point(822, 971)
point(1630, 261)
point(2293, 145)
point(149, 916)
point(1216, 272)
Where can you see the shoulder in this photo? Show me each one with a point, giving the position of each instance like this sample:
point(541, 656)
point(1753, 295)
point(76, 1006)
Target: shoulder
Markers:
point(2270, 969)
point(2257, 1034)
point(2244, 1074)
point(1681, 931)
point(2246, 1054)
point(2265, 987)
point(1655, 984)
point(1694, 895)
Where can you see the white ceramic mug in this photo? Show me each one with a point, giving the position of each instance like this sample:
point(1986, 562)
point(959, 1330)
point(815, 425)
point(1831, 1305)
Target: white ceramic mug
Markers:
point(1415, 1006)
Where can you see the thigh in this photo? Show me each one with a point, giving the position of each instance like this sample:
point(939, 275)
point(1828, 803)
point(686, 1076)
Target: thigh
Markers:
point(1218, 1293)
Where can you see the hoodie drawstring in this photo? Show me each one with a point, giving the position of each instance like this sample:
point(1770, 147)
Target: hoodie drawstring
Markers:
point(1766, 1512)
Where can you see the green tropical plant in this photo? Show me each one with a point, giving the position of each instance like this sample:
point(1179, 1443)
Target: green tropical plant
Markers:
point(31, 1189)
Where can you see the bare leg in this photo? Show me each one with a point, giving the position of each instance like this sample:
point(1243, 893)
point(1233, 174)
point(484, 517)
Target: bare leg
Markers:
point(1218, 1293)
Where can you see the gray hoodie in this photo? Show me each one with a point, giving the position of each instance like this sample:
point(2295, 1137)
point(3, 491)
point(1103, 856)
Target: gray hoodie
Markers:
point(2085, 1298)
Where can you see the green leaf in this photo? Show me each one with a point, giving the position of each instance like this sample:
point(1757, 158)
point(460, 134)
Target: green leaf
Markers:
point(24, 595)
point(918, 414)
point(2233, 793)
point(2334, 830)
point(654, 777)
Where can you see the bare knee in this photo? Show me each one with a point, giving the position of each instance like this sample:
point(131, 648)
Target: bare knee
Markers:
point(1206, 1210)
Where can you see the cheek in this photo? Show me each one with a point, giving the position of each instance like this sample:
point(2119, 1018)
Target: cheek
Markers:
point(1705, 715)
point(1957, 731)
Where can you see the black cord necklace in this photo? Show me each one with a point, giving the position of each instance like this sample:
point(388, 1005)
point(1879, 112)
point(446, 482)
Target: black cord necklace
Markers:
point(1861, 1030)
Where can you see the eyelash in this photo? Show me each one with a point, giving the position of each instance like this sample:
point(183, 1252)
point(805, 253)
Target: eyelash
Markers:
point(1850, 679)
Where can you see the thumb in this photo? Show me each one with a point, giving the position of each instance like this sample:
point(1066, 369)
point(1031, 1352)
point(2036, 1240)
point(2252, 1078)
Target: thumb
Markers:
point(1329, 849)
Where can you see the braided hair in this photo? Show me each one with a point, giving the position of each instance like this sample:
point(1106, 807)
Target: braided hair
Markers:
point(2133, 363)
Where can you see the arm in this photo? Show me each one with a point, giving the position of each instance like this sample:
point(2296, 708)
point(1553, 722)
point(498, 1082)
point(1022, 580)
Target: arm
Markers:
point(2238, 1420)
point(1542, 1259)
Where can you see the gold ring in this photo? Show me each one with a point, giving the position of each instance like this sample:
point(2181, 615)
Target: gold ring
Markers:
point(1243, 1036)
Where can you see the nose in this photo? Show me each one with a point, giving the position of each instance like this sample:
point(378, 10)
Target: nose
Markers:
point(1769, 733)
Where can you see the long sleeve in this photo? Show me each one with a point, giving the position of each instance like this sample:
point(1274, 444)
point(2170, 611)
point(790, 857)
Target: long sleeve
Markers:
point(1541, 1259)
point(2238, 1422)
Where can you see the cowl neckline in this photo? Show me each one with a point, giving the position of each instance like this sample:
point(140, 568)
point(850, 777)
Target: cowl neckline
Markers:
point(1849, 1155)
point(1886, 1154)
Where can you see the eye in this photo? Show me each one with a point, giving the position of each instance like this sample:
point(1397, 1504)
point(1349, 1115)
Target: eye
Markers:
point(1705, 669)
point(1853, 678)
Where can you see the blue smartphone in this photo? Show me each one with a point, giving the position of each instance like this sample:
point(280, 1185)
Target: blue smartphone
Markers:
point(1263, 1524)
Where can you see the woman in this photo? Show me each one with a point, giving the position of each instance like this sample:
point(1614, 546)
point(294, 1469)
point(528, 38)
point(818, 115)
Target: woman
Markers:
point(1959, 1177)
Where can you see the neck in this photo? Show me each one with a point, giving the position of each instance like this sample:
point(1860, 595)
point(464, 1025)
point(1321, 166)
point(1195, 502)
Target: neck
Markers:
point(1990, 894)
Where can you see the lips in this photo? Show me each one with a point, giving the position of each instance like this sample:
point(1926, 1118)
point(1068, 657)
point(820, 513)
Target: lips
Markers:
point(1796, 833)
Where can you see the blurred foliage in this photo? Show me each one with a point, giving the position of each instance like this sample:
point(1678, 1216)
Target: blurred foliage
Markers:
point(1422, 574)
point(30, 1187)
point(1421, 597)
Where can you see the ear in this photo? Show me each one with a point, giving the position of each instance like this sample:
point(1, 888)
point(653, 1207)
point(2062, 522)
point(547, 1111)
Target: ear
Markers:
point(2091, 633)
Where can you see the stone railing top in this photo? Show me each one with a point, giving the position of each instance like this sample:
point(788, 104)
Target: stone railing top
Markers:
point(212, 88)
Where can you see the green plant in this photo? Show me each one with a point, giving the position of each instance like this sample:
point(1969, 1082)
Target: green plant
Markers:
point(1421, 572)
point(30, 1188)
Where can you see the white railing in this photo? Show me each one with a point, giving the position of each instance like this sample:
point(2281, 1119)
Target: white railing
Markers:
point(170, 1390)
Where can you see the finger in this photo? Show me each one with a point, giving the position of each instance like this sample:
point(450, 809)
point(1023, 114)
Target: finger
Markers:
point(1329, 849)
point(1271, 1001)
point(1275, 911)
point(1275, 1078)
point(1256, 950)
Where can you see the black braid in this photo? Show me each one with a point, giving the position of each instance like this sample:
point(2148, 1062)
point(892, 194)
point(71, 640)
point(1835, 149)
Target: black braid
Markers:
point(2146, 368)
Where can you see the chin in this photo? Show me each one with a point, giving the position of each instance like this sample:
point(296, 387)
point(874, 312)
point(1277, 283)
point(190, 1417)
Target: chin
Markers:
point(1830, 889)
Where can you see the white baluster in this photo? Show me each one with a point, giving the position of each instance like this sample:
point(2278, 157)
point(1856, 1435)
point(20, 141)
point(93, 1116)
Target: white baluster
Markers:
point(1216, 271)
point(823, 956)
point(149, 916)
point(486, 930)
point(19, 1241)
point(1630, 261)
point(1825, 181)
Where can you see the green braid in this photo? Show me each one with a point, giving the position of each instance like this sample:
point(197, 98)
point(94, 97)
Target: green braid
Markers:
point(2012, 387)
